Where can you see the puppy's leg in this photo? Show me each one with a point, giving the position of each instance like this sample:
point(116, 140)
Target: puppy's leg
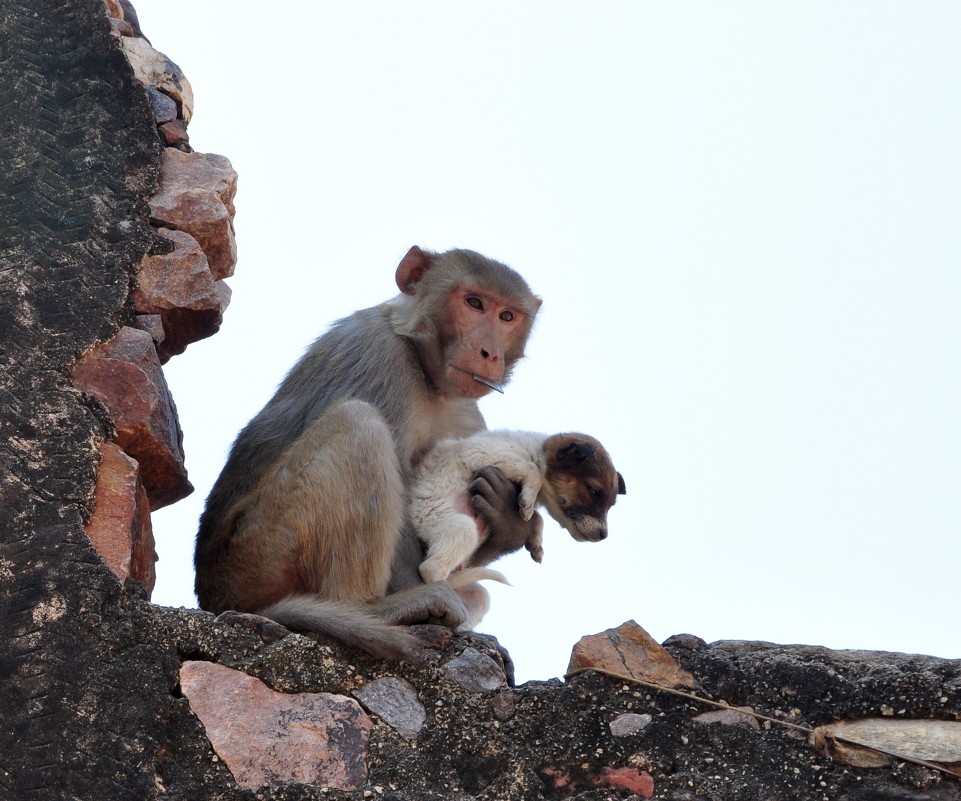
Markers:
point(528, 475)
point(535, 542)
point(452, 538)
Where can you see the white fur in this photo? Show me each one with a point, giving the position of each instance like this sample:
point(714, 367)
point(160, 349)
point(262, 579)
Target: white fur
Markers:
point(439, 502)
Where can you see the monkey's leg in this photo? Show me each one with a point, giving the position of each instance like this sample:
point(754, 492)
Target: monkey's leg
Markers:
point(333, 505)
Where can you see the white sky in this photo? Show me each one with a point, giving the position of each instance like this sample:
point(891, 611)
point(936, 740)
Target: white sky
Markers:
point(745, 222)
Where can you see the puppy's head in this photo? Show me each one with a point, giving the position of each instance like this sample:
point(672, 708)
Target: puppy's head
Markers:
point(580, 485)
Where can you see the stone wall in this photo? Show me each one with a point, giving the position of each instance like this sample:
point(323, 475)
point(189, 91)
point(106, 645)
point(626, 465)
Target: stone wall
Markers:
point(115, 240)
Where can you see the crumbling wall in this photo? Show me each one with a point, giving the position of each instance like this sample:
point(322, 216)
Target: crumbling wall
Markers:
point(115, 240)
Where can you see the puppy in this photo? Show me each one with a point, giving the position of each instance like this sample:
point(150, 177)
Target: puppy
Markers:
point(571, 475)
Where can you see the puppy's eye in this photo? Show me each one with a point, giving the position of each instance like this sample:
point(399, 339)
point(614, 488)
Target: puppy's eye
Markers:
point(595, 493)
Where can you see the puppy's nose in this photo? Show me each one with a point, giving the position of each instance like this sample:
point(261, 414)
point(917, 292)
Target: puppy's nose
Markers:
point(602, 534)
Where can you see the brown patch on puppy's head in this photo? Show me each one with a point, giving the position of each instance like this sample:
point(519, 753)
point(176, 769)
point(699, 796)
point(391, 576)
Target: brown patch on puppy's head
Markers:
point(580, 485)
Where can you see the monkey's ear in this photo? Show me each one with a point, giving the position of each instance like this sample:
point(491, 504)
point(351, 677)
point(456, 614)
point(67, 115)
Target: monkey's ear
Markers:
point(577, 451)
point(621, 487)
point(411, 269)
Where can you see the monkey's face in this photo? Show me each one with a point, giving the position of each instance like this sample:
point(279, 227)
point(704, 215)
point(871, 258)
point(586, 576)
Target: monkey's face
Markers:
point(484, 335)
point(580, 485)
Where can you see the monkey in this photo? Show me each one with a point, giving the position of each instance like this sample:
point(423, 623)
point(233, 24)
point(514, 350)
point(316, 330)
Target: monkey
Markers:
point(309, 522)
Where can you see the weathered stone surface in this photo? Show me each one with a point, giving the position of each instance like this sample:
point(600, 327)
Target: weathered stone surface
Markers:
point(153, 325)
point(739, 716)
point(119, 527)
point(567, 782)
point(196, 195)
point(266, 737)
point(636, 781)
point(395, 702)
point(868, 742)
point(179, 287)
point(154, 69)
point(163, 106)
point(629, 650)
point(174, 134)
point(125, 375)
point(475, 672)
point(629, 723)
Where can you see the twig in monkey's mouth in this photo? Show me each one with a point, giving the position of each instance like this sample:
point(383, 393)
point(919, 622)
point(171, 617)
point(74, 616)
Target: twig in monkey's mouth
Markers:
point(487, 383)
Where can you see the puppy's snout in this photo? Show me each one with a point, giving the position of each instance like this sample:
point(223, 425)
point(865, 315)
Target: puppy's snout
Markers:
point(602, 534)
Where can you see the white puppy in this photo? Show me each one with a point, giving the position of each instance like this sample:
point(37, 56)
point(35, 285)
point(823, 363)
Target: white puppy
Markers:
point(571, 475)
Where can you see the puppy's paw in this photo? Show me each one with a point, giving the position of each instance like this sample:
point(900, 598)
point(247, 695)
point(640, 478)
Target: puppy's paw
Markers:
point(537, 551)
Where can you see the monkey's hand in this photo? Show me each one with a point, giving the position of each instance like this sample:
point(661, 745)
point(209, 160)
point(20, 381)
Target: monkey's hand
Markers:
point(495, 498)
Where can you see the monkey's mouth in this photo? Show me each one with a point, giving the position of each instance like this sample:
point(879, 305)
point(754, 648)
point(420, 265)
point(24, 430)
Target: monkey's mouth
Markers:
point(487, 382)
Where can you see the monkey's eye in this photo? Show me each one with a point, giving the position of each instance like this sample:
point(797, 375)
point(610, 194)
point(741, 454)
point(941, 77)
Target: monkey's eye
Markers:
point(475, 302)
point(507, 316)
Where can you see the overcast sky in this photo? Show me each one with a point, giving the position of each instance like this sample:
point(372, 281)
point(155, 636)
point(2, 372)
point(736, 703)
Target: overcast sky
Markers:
point(745, 222)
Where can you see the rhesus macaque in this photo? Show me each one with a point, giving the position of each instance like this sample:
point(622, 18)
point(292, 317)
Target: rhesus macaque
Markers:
point(309, 522)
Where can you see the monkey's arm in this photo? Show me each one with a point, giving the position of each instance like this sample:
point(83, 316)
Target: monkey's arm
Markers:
point(494, 497)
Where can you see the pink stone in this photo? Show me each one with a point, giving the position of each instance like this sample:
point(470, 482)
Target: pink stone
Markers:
point(266, 737)
point(125, 375)
point(631, 652)
point(636, 781)
point(119, 527)
point(179, 287)
point(196, 195)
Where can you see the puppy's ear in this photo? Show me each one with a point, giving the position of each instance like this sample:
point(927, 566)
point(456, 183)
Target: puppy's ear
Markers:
point(577, 451)
point(621, 487)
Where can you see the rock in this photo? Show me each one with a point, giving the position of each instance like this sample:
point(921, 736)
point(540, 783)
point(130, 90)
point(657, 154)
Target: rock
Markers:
point(153, 325)
point(395, 702)
point(629, 723)
point(503, 706)
point(636, 781)
point(475, 671)
point(631, 652)
point(742, 715)
point(269, 738)
point(268, 630)
point(196, 195)
point(120, 527)
point(174, 134)
point(163, 106)
point(178, 286)
point(566, 782)
point(125, 375)
point(154, 69)
point(689, 642)
point(870, 742)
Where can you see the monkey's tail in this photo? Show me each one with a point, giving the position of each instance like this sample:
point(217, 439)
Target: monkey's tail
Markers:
point(347, 624)
point(469, 575)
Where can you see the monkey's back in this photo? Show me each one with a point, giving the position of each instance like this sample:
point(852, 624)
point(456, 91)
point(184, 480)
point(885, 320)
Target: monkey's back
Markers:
point(340, 364)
